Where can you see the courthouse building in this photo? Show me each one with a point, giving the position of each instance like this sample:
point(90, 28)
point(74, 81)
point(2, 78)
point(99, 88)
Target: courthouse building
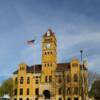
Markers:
point(50, 80)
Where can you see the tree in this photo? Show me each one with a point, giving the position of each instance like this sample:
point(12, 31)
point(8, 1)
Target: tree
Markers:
point(7, 87)
point(92, 76)
point(95, 90)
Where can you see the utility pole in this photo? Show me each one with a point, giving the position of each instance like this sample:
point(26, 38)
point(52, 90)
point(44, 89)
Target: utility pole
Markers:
point(82, 70)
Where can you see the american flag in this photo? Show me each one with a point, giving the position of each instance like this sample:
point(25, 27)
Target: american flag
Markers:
point(30, 42)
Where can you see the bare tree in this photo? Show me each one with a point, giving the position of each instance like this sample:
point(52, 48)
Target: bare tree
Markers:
point(92, 76)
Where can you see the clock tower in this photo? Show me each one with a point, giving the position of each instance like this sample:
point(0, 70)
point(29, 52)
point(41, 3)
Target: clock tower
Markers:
point(49, 56)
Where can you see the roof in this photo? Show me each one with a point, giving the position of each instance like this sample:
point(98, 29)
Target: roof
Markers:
point(38, 68)
point(51, 33)
point(60, 67)
point(63, 67)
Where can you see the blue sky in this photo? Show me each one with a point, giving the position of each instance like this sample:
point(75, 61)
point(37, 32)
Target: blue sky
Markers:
point(75, 22)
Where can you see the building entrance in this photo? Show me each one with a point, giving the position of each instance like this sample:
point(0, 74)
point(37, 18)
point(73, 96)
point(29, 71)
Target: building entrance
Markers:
point(46, 94)
point(75, 98)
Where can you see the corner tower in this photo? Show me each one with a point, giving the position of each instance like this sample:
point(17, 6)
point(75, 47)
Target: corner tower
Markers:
point(49, 55)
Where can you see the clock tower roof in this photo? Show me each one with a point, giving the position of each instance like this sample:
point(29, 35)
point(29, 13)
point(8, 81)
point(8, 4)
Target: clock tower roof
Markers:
point(49, 33)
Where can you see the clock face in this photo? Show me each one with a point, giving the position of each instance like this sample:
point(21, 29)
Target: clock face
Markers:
point(48, 33)
point(48, 45)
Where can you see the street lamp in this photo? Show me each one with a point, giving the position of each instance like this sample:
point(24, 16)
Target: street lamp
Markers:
point(82, 70)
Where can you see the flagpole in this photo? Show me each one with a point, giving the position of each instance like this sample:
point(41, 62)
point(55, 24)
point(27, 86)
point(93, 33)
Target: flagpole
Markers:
point(34, 57)
point(31, 42)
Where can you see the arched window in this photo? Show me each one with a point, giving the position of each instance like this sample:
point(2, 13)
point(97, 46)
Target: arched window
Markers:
point(21, 80)
point(75, 78)
point(68, 78)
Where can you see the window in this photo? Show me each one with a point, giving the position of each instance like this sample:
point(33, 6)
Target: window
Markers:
point(27, 98)
point(22, 68)
point(45, 53)
point(46, 78)
point(59, 91)
point(16, 80)
point(75, 78)
point(28, 80)
point(45, 65)
point(68, 99)
point(36, 81)
point(59, 80)
point(51, 65)
point(15, 92)
point(68, 78)
point(28, 92)
point(50, 78)
point(75, 98)
point(68, 90)
point(21, 80)
point(60, 98)
point(36, 98)
point(37, 91)
point(21, 91)
point(76, 90)
point(15, 98)
point(36, 76)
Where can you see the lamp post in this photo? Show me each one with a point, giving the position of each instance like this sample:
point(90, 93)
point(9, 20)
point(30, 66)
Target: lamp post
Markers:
point(82, 70)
